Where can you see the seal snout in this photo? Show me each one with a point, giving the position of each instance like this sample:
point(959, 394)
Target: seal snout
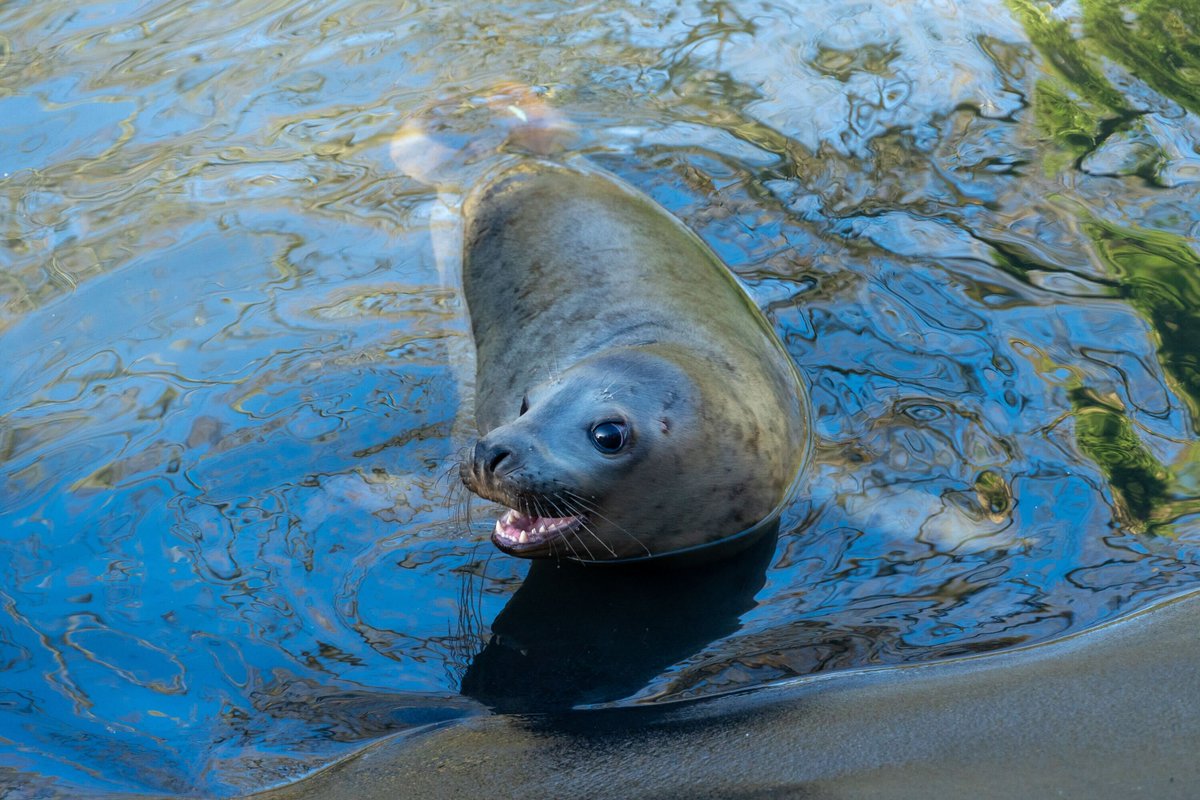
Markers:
point(489, 459)
point(533, 521)
point(488, 468)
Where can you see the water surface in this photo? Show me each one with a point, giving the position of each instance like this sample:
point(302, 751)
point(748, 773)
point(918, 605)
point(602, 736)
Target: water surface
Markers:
point(231, 390)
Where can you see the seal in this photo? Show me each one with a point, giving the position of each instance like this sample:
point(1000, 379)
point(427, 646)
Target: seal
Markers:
point(632, 400)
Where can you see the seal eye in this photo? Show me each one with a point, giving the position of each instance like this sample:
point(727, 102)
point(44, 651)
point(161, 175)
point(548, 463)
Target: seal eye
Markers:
point(524, 406)
point(608, 437)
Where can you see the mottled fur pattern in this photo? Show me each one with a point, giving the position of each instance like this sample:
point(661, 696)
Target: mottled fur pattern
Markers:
point(588, 303)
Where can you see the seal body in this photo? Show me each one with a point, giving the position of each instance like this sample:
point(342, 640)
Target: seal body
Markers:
point(631, 399)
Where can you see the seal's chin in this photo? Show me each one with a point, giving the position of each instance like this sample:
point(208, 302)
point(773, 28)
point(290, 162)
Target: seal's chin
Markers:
point(522, 535)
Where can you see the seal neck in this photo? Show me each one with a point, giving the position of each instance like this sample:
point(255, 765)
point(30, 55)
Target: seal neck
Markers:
point(700, 553)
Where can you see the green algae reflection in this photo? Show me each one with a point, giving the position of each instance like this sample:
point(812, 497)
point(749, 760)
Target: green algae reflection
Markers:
point(1106, 435)
point(1160, 277)
point(1158, 40)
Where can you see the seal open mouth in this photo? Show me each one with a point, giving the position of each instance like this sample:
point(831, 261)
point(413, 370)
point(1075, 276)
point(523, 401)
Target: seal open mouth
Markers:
point(517, 533)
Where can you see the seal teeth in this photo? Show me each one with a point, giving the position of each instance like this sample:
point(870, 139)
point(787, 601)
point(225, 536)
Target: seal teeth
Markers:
point(515, 528)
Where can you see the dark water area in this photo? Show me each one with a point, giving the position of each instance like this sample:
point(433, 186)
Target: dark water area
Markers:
point(232, 385)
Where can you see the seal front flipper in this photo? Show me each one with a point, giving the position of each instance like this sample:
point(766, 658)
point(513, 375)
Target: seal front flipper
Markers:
point(632, 401)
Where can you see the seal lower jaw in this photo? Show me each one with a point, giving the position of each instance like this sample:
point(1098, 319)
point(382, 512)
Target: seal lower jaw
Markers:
point(524, 535)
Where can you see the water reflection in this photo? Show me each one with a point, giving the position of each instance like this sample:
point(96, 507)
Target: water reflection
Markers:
point(577, 634)
point(229, 393)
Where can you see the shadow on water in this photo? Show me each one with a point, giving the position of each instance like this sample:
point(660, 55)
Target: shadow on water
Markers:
point(578, 634)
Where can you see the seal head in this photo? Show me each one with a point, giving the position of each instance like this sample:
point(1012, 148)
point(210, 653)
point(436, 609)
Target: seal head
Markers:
point(592, 467)
point(632, 400)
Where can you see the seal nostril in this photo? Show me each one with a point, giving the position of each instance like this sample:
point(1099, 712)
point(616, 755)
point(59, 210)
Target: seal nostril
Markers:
point(495, 457)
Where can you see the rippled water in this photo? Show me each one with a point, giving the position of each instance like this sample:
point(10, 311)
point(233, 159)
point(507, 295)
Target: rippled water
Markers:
point(231, 388)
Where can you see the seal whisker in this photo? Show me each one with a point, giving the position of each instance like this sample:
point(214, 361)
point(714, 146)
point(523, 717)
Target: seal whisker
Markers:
point(581, 515)
point(567, 544)
point(453, 459)
point(467, 640)
point(459, 498)
point(586, 549)
point(591, 508)
point(557, 512)
point(447, 474)
point(451, 475)
point(590, 530)
point(535, 505)
point(566, 541)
